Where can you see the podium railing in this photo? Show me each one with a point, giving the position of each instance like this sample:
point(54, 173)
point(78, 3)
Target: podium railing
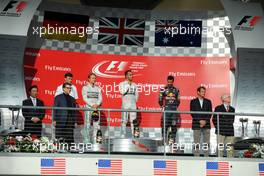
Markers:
point(94, 129)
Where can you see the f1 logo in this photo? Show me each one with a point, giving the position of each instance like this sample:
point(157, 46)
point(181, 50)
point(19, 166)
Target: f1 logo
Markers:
point(116, 66)
point(247, 23)
point(251, 20)
point(14, 8)
point(12, 4)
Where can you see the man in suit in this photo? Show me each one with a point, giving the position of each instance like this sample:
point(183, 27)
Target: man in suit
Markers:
point(201, 122)
point(64, 120)
point(68, 77)
point(226, 127)
point(33, 117)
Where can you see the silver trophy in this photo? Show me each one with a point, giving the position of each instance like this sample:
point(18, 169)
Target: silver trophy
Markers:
point(257, 127)
point(244, 126)
point(15, 115)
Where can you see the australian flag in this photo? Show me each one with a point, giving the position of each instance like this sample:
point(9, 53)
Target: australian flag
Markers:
point(179, 33)
point(121, 31)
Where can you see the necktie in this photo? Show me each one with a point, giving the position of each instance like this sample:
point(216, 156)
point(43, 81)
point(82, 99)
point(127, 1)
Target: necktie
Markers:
point(227, 108)
point(34, 102)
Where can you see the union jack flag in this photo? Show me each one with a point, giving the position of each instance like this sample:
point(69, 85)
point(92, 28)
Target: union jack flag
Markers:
point(121, 31)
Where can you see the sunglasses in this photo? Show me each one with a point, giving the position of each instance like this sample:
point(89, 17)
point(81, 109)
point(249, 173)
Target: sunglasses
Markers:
point(68, 87)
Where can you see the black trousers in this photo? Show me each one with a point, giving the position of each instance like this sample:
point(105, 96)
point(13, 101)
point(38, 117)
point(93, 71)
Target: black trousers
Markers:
point(171, 120)
point(33, 128)
point(65, 131)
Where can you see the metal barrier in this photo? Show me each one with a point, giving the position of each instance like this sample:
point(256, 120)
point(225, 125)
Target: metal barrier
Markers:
point(94, 134)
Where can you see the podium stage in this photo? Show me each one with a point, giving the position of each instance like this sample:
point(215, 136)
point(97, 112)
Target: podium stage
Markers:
point(140, 165)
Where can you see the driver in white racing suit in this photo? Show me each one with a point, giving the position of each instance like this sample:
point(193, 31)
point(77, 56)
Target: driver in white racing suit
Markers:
point(129, 92)
point(92, 96)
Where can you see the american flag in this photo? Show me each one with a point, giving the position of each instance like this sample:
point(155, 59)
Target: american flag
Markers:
point(52, 166)
point(191, 37)
point(261, 169)
point(165, 167)
point(217, 168)
point(109, 167)
point(121, 31)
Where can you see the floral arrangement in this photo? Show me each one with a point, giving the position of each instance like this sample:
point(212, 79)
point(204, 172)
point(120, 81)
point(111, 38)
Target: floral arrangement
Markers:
point(255, 151)
point(29, 144)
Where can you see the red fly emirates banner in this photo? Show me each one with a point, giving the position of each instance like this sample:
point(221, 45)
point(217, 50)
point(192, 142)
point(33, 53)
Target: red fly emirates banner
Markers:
point(46, 68)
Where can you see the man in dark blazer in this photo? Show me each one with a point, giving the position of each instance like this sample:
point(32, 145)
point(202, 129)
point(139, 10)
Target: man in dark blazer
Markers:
point(64, 120)
point(33, 117)
point(226, 127)
point(201, 122)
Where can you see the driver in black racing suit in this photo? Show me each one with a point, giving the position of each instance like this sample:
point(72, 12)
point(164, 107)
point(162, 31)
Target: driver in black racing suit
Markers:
point(169, 99)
